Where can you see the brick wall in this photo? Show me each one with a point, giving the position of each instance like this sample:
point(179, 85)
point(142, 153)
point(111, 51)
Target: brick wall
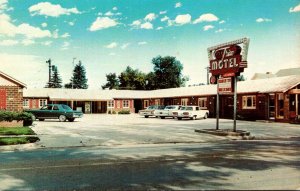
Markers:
point(14, 97)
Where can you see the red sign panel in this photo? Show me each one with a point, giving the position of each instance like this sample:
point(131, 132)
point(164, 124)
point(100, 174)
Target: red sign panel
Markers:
point(2, 99)
point(225, 85)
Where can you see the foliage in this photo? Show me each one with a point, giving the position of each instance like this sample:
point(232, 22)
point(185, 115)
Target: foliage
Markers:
point(168, 72)
point(78, 80)
point(55, 81)
point(241, 78)
point(18, 116)
point(16, 131)
point(112, 81)
point(17, 140)
point(124, 111)
point(132, 79)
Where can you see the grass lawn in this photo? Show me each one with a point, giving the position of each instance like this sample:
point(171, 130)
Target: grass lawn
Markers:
point(16, 131)
point(17, 140)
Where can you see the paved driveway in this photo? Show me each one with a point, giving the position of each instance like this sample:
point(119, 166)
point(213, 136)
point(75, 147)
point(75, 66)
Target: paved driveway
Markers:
point(110, 130)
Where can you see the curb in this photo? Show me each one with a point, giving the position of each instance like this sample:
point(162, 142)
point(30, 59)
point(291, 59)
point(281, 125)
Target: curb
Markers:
point(223, 132)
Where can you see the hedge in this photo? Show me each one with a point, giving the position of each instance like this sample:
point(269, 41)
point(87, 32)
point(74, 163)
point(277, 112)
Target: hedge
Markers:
point(18, 116)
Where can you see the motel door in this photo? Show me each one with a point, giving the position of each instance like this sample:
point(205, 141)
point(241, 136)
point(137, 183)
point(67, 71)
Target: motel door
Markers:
point(226, 107)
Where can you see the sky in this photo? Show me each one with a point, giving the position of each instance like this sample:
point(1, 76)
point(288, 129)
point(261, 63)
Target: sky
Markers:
point(109, 35)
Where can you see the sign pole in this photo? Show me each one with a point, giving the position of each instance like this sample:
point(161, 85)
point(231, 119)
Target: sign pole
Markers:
point(218, 107)
point(235, 103)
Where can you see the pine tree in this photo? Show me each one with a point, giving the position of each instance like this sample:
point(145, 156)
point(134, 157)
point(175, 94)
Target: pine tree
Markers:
point(78, 80)
point(55, 80)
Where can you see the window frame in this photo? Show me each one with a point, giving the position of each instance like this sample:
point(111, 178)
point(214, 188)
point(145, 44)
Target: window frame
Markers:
point(184, 101)
point(245, 100)
point(25, 102)
point(42, 102)
point(125, 105)
point(202, 102)
point(111, 104)
point(146, 103)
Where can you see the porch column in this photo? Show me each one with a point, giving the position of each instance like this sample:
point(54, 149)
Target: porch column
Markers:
point(72, 104)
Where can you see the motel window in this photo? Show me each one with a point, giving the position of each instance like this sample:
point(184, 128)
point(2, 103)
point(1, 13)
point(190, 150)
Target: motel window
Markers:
point(157, 102)
point(146, 103)
point(125, 103)
point(202, 103)
point(43, 102)
point(25, 102)
point(184, 101)
point(249, 102)
point(110, 104)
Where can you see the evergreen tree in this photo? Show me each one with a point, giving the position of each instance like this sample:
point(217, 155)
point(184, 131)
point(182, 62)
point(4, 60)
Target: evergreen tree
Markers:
point(112, 81)
point(78, 80)
point(55, 80)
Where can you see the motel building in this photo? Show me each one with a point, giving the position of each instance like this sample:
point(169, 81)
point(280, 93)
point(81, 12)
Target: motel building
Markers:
point(11, 93)
point(265, 97)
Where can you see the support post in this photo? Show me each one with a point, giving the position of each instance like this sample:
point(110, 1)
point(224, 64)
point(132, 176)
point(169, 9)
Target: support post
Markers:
point(234, 103)
point(218, 108)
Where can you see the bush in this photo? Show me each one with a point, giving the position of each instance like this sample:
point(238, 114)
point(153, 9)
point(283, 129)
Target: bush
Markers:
point(18, 116)
point(114, 112)
point(124, 112)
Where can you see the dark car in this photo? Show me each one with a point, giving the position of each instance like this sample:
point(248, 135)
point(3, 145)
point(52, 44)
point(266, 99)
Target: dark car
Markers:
point(55, 111)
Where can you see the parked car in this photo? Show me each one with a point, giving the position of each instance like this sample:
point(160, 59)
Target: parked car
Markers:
point(167, 111)
point(149, 111)
point(55, 111)
point(191, 112)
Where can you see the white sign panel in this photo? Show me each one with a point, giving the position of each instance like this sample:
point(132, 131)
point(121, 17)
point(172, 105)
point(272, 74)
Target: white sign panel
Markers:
point(225, 85)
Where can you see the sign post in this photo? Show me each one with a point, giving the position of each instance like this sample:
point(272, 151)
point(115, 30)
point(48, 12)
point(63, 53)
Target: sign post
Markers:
point(226, 62)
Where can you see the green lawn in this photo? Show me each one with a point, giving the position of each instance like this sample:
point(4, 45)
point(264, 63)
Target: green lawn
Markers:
point(16, 131)
point(17, 140)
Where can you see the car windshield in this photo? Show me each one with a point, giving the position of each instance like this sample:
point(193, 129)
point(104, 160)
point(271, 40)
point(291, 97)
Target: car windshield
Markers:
point(170, 107)
point(182, 108)
point(151, 107)
point(66, 107)
point(46, 107)
point(187, 108)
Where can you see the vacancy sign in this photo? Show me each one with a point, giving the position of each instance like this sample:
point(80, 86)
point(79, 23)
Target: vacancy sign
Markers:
point(225, 85)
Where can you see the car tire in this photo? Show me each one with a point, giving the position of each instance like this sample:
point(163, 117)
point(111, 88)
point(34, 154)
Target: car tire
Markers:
point(71, 119)
point(205, 116)
point(179, 118)
point(162, 117)
point(146, 116)
point(62, 118)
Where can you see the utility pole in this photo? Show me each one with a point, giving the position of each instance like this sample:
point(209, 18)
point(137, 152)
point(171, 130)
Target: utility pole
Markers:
point(49, 62)
point(73, 69)
point(207, 75)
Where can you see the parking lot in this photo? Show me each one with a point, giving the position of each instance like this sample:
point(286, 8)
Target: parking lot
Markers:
point(113, 130)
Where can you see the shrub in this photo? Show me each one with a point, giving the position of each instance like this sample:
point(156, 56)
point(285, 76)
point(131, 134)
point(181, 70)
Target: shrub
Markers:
point(109, 112)
point(18, 116)
point(114, 112)
point(124, 112)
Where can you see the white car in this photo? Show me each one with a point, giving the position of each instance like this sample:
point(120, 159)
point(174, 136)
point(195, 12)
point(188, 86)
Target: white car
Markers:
point(149, 111)
point(191, 112)
point(167, 112)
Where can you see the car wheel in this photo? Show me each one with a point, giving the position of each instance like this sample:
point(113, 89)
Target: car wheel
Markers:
point(62, 118)
point(162, 117)
point(71, 119)
point(41, 119)
point(33, 118)
point(205, 116)
point(179, 118)
point(146, 116)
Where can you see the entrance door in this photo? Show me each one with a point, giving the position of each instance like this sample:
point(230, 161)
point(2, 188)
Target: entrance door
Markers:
point(226, 106)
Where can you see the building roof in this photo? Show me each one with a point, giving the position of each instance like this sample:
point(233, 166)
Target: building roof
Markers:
point(268, 85)
point(258, 76)
point(11, 80)
point(288, 72)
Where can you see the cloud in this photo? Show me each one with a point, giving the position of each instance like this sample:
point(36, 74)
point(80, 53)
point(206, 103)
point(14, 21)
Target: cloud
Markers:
point(124, 46)
point(102, 23)
point(109, 13)
point(3, 4)
point(71, 23)
point(177, 5)
point(51, 10)
point(111, 45)
point(65, 46)
point(220, 30)
point(260, 20)
point(47, 43)
point(112, 54)
point(44, 25)
point(147, 25)
point(208, 27)
point(183, 19)
point(150, 17)
point(115, 8)
point(162, 12)
point(165, 18)
point(27, 42)
point(159, 28)
point(7, 28)
point(8, 42)
point(295, 9)
point(222, 22)
point(66, 35)
point(142, 43)
point(206, 18)
point(136, 23)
